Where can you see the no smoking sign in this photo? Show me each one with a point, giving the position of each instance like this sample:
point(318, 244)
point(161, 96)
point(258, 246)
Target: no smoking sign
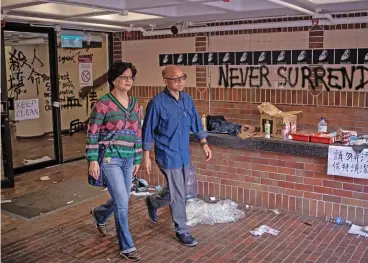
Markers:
point(85, 75)
point(85, 71)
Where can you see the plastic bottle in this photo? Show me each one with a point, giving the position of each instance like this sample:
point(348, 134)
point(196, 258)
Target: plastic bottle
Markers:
point(267, 130)
point(338, 220)
point(191, 189)
point(285, 131)
point(322, 126)
point(204, 122)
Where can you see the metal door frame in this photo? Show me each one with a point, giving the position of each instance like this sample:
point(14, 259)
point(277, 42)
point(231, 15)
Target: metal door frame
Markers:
point(54, 84)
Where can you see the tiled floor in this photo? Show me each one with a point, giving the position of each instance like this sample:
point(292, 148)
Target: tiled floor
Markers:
point(34, 148)
point(69, 235)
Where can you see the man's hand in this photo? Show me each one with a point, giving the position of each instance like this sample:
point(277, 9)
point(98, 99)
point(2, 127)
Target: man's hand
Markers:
point(94, 169)
point(147, 164)
point(207, 151)
point(135, 169)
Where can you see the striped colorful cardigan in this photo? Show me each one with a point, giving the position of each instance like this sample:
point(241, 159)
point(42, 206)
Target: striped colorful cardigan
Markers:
point(108, 118)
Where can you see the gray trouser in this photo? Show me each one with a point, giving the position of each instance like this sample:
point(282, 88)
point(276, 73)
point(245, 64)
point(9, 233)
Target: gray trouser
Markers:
point(174, 195)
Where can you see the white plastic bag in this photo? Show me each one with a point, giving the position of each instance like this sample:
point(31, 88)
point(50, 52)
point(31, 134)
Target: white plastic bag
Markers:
point(200, 212)
point(264, 229)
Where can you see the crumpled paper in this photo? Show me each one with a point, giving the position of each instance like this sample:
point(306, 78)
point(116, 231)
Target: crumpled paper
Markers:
point(249, 131)
point(264, 229)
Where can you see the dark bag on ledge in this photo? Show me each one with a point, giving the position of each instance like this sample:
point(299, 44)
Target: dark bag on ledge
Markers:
point(212, 119)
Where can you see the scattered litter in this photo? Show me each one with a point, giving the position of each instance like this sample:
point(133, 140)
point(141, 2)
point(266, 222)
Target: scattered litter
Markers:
point(139, 185)
point(264, 229)
point(140, 193)
point(75, 194)
point(158, 188)
point(247, 206)
point(224, 211)
point(45, 178)
point(6, 201)
point(50, 139)
point(212, 198)
point(51, 166)
point(40, 160)
point(108, 259)
point(54, 182)
point(37, 187)
point(365, 229)
point(70, 202)
point(306, 223)
point(358, 230)
point(105, 189)
point(276, 211)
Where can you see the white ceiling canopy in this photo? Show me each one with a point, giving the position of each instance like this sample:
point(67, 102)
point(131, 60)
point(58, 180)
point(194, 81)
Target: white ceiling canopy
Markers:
point(242, 5)
point(57, 9)
point(130, 17)
point(120, 15)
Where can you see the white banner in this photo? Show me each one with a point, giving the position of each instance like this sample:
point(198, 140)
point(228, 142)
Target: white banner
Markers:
point(26, 109)
point(344, 161)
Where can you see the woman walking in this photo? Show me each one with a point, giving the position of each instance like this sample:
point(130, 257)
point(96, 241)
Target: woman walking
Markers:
point(115, 122)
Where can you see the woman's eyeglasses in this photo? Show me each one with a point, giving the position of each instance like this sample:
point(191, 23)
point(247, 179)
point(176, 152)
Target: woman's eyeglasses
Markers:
point(126, 78)
point(178, 79)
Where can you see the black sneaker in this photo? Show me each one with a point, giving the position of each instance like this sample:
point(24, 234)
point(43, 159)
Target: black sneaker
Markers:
point(152, 211)
point(187, 239)
point(131, 256)
point(100, 227)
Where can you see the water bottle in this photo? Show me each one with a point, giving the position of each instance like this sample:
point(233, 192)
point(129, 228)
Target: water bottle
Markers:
point(267, 130)
point(322, 126)
point(191, 190)
point(338, 220)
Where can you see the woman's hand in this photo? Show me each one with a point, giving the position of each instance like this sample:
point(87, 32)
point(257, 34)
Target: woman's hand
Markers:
point(94, 169)
point(135, 169)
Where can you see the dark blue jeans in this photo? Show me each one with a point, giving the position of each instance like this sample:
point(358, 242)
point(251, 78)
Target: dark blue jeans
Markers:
point(118, 174)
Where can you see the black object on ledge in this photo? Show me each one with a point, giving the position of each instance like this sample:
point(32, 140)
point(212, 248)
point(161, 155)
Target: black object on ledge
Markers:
point(268, 145)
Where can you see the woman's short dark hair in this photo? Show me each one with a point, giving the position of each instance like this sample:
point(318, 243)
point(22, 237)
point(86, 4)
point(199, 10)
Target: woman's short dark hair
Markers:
point(119, 68)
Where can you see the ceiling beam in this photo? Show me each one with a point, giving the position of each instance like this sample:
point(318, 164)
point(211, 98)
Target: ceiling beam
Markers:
point(98, 13)
point(142, 4)
point(299, 8)
point(293, 6)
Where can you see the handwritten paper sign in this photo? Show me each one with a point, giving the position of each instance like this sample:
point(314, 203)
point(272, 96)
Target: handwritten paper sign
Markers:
point(344, 161)
point(85, 71)
point(26, 109)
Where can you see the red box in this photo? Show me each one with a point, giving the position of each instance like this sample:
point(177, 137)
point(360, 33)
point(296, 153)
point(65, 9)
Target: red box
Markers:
point(300, 137)
point(322, 139)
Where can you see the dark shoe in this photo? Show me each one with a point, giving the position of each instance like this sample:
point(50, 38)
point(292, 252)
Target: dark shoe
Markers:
point(187, 239)
point(131, 256)
point(152, 211)
point(100, 227)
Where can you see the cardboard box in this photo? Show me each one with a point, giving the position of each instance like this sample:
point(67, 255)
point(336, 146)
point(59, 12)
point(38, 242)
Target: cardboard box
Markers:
point(277, 118)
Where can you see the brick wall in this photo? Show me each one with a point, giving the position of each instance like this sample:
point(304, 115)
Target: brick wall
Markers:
point(271, 180)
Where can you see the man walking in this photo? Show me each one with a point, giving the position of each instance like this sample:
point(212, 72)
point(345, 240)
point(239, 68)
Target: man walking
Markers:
point(170, 116)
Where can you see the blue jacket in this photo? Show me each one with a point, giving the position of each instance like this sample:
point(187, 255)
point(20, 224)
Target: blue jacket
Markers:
point(168, 123)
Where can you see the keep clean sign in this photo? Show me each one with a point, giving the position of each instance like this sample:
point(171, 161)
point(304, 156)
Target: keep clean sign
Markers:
point(26, 109)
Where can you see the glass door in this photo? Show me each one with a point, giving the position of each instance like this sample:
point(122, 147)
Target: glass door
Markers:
point(82, 81)
point(32, 91)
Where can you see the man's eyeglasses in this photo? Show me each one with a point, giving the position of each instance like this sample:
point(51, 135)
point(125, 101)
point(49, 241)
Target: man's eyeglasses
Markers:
point(126, 78)
point(178, 79)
